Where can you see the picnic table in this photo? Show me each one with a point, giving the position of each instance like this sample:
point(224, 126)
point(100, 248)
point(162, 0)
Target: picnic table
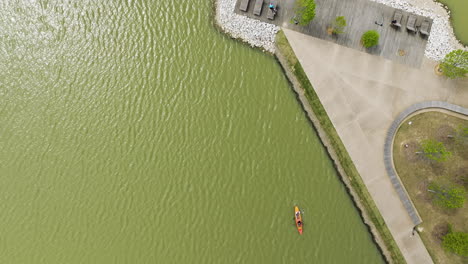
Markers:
point(272, 9)
point(424, 30)
point(244, 5)
point(396, 22)
point(258, 7)
point(411, 24)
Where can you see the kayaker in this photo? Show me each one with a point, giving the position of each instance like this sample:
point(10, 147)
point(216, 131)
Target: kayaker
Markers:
point(299, 223)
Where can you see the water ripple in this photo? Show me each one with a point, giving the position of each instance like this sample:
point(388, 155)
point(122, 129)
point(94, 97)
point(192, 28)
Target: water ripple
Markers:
point(133, 132)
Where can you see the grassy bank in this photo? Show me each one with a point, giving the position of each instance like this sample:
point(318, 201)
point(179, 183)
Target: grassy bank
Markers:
point(365, 201)
point(417, 172)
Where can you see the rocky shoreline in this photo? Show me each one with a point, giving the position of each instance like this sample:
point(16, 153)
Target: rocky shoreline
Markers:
point(259, 34)
point(254, 32)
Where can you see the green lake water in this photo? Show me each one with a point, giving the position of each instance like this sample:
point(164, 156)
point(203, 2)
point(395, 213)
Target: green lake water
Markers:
point(134, 132)
point(459, 17)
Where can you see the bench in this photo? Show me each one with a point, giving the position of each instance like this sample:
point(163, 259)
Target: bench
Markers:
point(411, 24)
point(396, 21)
point(244, 5)
point(258, 7)
point(425, 28)
point(272, 12)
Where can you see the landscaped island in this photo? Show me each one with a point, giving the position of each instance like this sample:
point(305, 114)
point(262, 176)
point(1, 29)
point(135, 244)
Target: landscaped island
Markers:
point(431, 157)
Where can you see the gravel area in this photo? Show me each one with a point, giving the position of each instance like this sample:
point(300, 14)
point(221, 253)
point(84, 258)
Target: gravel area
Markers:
point(442, 39)
point(254, 32)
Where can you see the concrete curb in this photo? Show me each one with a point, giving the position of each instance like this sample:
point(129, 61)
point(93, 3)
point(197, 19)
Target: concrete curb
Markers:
point(388, 147)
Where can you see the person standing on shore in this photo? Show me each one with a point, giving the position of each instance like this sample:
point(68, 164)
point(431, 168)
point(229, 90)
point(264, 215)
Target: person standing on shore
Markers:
point(272, 7)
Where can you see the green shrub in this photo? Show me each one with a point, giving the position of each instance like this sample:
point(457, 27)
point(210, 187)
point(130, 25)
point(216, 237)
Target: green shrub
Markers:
point(448, 197)
point(370, 38)
point(338, 25)
point(449, 228)
point(456, 242)
point(455, 64)
point(435, 150)
point(462, 134)
point(305, 11)
point(463, 131)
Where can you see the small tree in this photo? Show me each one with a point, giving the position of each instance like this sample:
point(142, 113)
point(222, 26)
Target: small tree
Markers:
point(370, 38)
point(456, 242)
point(435, 150)
point(448, 197)
point(305, 11)
point(463, 131)
point(338, 25)
point(455, 64)
point(462, 134)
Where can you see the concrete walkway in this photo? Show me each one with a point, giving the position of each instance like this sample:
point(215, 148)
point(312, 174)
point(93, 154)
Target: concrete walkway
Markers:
point(362, 95)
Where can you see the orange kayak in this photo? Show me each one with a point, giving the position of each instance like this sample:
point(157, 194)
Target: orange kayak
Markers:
point(298, 218)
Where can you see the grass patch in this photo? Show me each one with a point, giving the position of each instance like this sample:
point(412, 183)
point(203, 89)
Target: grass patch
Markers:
point(417, 172)
point(345, 160)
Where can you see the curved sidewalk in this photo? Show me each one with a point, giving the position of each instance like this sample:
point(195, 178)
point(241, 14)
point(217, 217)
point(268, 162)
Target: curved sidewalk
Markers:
point(388, 157)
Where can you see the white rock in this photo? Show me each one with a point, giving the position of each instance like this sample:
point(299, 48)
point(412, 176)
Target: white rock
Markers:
point(254, 32)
